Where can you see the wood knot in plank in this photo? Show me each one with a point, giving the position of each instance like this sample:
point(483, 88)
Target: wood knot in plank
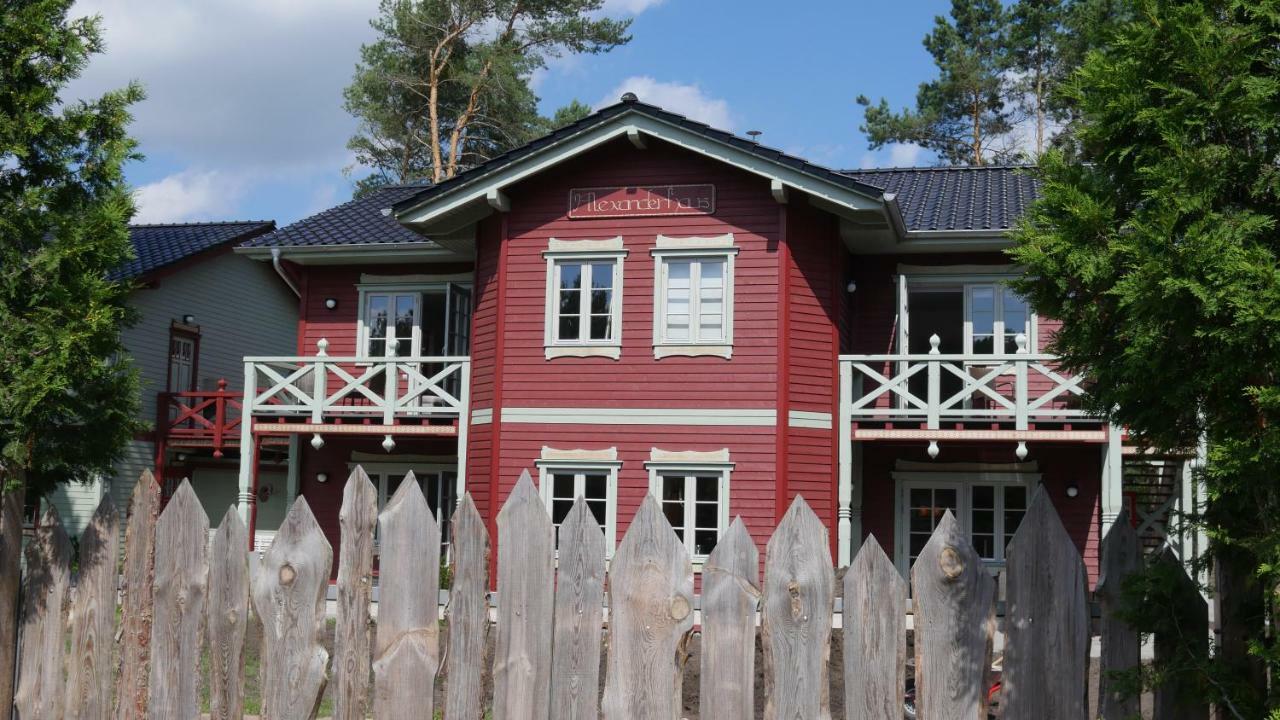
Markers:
point(287, 574)
point(679, 608)
point(950, 562)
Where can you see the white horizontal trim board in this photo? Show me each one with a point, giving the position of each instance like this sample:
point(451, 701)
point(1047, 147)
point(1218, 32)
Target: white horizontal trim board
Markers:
point(481, 416)
point(807, 419)
point(642, 416)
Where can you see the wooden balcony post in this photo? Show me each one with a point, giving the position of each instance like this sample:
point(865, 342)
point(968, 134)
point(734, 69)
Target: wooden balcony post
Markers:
point(934, 393)
point(247, 460)
point(319, 382)
point(1020, 384)
point(844, 436)
point(219, 416)
point(464, 420)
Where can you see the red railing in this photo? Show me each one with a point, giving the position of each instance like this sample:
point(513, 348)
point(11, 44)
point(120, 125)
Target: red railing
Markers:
point(200, 419)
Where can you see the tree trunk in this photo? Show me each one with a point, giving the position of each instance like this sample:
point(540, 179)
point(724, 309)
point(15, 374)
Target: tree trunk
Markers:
point(1241, 620)
point(10, 574)
point(1039, 113)
point(977, 132)
point(433, 115)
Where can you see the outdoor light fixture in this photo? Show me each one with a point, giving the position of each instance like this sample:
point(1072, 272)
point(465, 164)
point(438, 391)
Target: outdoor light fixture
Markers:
point(851, 287)
point(322, 477)
point(331, 303)
point(188, 319)
point(1073, 490)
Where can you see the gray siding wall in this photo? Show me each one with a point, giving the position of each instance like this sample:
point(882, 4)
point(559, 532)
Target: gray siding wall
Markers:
point(242, 308)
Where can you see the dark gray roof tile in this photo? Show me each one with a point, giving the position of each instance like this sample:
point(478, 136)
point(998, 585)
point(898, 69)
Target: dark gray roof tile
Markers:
point(158, 246)
point(957, 198)
point(365, 220)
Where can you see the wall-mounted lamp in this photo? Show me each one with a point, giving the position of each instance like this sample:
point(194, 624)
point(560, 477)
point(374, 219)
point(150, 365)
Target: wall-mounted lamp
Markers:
point(851, 287)
point(1073, 490)
point(188, 319)
point(182, 457)
point(322, 477)
point(331, 303)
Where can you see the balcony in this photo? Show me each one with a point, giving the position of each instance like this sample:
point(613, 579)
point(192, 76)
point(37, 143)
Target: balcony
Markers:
point(936, 396)
point(200, 419)
point(322, 394)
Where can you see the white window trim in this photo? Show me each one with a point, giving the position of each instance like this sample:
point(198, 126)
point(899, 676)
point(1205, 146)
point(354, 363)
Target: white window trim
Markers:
point(399, 287)
point(560, 251)
point(963, 482)
point(693, 463)
point(580, 462)
point(997, 328)
point(964, 277)
point(719, 247)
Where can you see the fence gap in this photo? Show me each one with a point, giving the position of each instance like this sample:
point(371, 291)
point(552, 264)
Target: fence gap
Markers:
point(953, 597)
point(288, 590)
point(795, 628)
point(407, 644)
point(228, 616)
point(181, 580)
point(651, 611)
point(875, 635)
point(356, 519)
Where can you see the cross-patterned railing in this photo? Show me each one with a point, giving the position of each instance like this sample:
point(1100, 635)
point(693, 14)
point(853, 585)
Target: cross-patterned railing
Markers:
point(322, 386)
point(200, 418)
point(935, 388)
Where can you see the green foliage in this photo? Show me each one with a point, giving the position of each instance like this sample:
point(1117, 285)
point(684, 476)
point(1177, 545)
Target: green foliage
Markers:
point(1034, 60)
point(67, 407)
point(566, 115)
point(1155, 243)
point(961, 113)
point(446, 84)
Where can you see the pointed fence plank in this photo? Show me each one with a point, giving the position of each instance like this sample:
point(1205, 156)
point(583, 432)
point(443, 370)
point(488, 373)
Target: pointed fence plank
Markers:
point(93, 616)
point(579, 611)
point(10, 584)
point(1174, 698)
point(288, 588)
point(1046, 621)
point(795, 628)
point(526, 587)
point(954, 616)
point(137, 604)
point(357, 517)
point(468, 613)
point(875, 635)
point(730, 593)
point(228, 616)
point(1121, 644)
point(43, 646)
point(651, 605)
point(407, 645)
point(181, 582)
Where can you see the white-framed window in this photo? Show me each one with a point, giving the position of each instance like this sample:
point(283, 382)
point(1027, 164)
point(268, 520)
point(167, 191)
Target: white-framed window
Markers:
point(414, 320)
point(694, 496)
point(693, 296)
point(994, 316)
point(988, 506)
point(584, 298)
point(970, 308)
point(566, 475)
point(438, 481)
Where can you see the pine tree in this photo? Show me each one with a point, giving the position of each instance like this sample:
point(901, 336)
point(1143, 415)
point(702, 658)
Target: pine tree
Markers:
point(1035, 59)
point(67, 403)
point(1156, 243)
point(962, 115)
point(446, 84)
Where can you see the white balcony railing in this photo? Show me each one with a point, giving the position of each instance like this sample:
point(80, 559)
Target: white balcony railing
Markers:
point(322, 387)
point(935, 388)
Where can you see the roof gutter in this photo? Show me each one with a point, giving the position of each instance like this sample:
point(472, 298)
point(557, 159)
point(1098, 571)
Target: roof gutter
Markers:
point(275, 263)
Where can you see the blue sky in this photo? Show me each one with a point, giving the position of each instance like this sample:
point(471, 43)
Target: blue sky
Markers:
point(244, 113)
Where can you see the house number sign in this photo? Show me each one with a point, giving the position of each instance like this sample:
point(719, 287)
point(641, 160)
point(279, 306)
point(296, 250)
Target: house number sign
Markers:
point(641, 201)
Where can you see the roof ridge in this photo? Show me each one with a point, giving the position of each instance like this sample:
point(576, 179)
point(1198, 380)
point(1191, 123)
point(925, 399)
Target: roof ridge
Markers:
point(937, 168)
point(201, 223)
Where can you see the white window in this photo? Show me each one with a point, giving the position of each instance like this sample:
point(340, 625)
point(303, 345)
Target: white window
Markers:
point(429, 319)
point(994, 317)
point(391, 323)
point(970, 308)
point(693, 296)
point(584, 298)
point(694, 496)
point(566, 475)
point(989, 508)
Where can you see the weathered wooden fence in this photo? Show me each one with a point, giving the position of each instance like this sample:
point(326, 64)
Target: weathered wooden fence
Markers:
point(184, 596)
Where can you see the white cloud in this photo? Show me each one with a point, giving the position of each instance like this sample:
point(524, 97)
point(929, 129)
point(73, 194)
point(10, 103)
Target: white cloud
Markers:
point(688, 100)
point(189, 195)
point(905, 154)
point(628, 7)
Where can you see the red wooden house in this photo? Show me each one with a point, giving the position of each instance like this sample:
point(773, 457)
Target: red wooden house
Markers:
point(639, 303)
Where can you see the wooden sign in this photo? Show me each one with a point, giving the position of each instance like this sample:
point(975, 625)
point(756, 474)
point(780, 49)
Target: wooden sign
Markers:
point(641, 201)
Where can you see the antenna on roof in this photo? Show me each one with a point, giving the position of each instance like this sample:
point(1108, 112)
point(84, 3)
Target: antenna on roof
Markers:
point(754, 135)
point(629, 97)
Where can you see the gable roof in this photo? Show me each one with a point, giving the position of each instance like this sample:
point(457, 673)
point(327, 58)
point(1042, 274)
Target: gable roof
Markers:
point(162, 245)
point(364, 221)
point(971, 198)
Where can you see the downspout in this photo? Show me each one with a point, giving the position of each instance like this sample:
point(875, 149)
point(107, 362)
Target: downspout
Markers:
point(275, 263)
